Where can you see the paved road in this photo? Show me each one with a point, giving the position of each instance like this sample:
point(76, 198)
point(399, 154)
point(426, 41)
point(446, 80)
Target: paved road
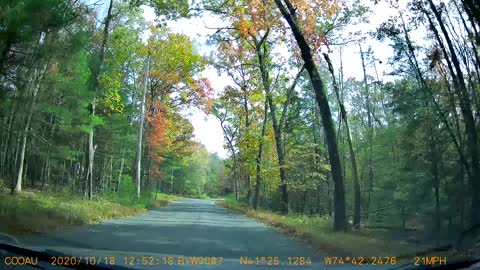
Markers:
point(186, 229)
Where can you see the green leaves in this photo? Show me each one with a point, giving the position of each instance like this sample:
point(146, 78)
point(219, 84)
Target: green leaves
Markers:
point(170, 9)
point(65, 152)
point(175, 69)
point(111, 101)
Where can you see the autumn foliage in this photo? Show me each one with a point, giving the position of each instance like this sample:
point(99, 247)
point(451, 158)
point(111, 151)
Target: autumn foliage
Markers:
point(158, 141)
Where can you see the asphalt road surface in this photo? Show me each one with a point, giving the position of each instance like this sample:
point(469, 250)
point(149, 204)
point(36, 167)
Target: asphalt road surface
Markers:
point(186, 234)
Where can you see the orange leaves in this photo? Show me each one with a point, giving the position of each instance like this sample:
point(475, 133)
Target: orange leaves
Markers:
point(251, 19)
point(242, 26)
point(331, 8)
point(169, 135)
point(310, 13)
point(156, 171)
point(254, 16)
point(206, 88)
point(202, 94)
point(157, 136)
point(171, 78)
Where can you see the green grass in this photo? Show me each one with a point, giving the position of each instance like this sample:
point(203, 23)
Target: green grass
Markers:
point(203, 196)
point(163, 199)
point(319, 233)
point(35, 212)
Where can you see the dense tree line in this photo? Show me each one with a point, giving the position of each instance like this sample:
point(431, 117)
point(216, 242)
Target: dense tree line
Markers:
point(71, 85)
point(397, 149)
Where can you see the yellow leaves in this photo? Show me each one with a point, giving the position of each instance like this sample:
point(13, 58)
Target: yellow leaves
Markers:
point(171, 77)
point(333, 10)
point(208, 105)
point(329, 8)
point(254, 16)
point(54, 68)
point(111, 101)
point(238, 11)
point(167, 78)
point(242, 27)
point(324, 5)
point(143, 51)
point(310, 13)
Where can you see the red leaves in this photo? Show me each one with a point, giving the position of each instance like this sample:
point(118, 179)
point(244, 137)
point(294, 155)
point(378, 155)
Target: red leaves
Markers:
point(157, 135)
point(309, 13)
point(204, 94)
point(252, 17)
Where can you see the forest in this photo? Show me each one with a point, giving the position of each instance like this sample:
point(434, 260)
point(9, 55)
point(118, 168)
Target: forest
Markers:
point(397, 150)
point(92, 105)
point(75, 91)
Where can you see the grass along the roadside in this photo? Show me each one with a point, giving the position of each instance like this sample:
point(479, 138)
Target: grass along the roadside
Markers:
point(35, 212)
point(163, 199)
point(317, 231)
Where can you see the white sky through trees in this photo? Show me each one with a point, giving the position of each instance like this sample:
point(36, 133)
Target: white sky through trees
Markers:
point(207, 128)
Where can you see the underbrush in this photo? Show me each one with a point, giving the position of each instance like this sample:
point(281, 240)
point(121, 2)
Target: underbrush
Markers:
point(189, 196)
point(36, 212)
point(318, 232)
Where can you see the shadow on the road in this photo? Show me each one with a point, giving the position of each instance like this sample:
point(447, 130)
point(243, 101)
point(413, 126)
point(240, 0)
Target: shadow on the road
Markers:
point(179, 229)
point(185, 228)
point(174, 208)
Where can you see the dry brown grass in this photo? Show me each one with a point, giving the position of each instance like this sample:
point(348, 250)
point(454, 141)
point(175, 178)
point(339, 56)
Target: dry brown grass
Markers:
point(317, 231)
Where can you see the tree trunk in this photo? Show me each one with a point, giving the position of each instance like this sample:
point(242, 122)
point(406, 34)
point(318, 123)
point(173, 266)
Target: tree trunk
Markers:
point(258, 183)
point(277, 129)
point(317, 159)
point(146, 183)
point(91, 147)
point(110, 174)
point(103, 173)
point(156, 189)
point(340, 219)
point(469, 121)
point(319, 208)
point(18, 185)
point(37, 78)
point(11, 148)
point(25, 170)
point(235, 181)
point(234, 156)
point(353, 159)
point(6, 143)
point(44, 175)
point(428, 89)
point(304, 201)
point(73, 165)
point(122, 162)
point(435, 178)
point(35, 172)
point(91, 152)
point(461, 198)
point(247, 127)
point(48, 174)
point(473, 9)
point(476, 61)
point(280, 154)
point(436, 181)
point(140, 129)
point(369, 131)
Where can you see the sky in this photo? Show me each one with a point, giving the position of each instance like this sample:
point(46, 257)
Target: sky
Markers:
point(207, 128)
